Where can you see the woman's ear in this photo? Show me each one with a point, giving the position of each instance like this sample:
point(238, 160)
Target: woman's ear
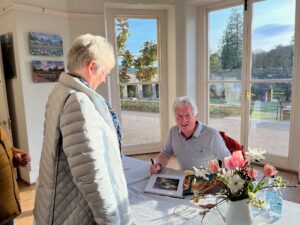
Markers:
point(92, 66)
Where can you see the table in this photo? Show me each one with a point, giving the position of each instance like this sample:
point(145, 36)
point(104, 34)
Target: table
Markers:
point(152, 209)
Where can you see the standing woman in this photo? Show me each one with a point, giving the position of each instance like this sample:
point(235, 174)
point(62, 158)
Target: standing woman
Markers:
point(81, 179)
point(10, 157)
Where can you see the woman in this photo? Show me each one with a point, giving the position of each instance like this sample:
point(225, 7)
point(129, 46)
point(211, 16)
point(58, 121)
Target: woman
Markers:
point(81, 179)
point(10, 157)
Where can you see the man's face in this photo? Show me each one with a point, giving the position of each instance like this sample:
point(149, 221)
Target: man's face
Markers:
point(185, 119)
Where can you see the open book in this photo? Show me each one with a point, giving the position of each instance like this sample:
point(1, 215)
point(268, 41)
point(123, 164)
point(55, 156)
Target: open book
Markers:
point(164, 184)
point(177, 186)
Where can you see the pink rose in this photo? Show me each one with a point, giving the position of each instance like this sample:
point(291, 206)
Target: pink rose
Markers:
point(214, 165)
point(252, 173)
point(269, 171)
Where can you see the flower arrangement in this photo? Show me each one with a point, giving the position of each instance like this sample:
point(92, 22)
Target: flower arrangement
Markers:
point(237, 180)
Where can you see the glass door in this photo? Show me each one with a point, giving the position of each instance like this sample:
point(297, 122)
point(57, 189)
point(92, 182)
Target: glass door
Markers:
point(225, 69)
point(273, 33)
point(251, 73)
point(137, 93)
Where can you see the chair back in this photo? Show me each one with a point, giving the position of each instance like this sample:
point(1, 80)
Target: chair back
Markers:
point(232, 144)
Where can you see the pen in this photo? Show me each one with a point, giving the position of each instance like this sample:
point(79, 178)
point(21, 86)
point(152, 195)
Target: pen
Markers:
point(152, 161)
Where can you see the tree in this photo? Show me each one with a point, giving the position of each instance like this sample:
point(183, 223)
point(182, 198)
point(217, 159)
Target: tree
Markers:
point(215, 64)
point(232, 40)
point(122, 27)
point(145, 63)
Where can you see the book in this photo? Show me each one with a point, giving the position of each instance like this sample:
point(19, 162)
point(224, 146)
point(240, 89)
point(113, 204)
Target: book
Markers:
point(204, 186)
point(178, 186)
point(165, 184)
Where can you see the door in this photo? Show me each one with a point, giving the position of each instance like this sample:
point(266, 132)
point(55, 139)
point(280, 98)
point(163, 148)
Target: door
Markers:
point(139, 80)
point(5, 122)
point(250, 78)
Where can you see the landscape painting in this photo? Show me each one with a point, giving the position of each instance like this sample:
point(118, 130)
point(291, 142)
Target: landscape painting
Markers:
point(47, 71)
point(45, 44)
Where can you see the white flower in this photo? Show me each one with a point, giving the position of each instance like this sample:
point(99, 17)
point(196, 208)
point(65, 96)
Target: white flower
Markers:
point(201, 173)
point(255, 154)
point(235, 183)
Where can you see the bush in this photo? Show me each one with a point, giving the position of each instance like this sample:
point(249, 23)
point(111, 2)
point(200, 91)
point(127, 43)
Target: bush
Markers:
point(140, 105)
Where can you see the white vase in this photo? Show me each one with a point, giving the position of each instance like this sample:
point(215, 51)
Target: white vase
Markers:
point(238, 213)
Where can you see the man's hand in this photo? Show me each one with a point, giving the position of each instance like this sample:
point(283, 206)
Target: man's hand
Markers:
point(22, 159)
point(155, 168)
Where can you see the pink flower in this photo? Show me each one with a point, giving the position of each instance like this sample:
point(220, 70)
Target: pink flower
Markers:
point(269, 171)
point(214, 166)
point(252, 173)
point(236, 160)
point(239, 158)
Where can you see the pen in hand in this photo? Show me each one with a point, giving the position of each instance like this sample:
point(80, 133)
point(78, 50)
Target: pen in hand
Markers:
point(152, 161)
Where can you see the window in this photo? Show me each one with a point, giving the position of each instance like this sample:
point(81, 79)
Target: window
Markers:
point(140, 43)
point(250, 78)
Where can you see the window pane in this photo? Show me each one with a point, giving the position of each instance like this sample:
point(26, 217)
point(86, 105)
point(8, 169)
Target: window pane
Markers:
point(225, 63)
point(139, 80)
point(225, 108)
point(226, 43)
point(272, 58)
point(273, 39)
point(270, 110)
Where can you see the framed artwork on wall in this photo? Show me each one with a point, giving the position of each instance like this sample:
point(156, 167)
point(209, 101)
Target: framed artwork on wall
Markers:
point(8, 56)
point(47, 71)
point(45, 44)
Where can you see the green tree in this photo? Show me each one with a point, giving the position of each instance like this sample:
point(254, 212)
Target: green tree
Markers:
point(122, 28)
point(232, 40)
point(215, 64)
point(145, 63)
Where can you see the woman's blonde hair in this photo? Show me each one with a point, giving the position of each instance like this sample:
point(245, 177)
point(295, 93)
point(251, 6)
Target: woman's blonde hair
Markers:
point(90, 47)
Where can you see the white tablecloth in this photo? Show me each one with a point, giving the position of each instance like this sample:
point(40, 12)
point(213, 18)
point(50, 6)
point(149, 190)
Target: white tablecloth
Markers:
point(151, 209)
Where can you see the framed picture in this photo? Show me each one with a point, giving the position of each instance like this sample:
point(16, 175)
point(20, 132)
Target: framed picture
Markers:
point(164, 184)
point(47, 71)
point(8, 56)
point(45, 44)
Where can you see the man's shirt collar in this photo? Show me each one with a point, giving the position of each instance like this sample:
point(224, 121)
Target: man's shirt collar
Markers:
point(197, 131)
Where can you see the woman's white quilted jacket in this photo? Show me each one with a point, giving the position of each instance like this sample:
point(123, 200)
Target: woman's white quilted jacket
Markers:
point(84, 183)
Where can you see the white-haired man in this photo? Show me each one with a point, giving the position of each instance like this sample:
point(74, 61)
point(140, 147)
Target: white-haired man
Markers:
point(193, 143)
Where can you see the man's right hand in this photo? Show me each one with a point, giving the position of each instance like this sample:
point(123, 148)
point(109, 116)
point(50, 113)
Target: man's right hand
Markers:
point(155, 168)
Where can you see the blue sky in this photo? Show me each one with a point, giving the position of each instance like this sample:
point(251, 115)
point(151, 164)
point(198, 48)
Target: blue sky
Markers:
point(141, 30)
point(273, 24)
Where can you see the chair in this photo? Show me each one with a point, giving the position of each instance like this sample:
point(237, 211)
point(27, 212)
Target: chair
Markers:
point(232, 144)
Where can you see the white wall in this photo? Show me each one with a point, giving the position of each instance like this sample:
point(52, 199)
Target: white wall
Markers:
point(35, 95)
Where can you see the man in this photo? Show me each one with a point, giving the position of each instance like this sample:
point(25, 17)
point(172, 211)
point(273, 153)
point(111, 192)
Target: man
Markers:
point(81, 179)
point(193, 143)
point(9, 193)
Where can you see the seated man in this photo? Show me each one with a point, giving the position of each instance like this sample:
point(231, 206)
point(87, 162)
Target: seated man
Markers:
point(193, 143)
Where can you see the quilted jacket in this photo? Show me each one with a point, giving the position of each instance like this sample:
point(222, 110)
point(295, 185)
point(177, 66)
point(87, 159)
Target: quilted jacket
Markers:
point(9, 193)
point(81, 179)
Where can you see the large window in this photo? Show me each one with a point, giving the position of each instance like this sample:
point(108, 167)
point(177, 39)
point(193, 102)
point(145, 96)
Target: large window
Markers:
point(139, 77)
point(250, 78)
